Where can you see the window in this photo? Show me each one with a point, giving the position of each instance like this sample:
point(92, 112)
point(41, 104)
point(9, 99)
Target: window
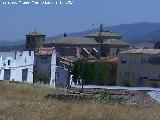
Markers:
point(126, 74)
point(44, 60)
point(9, 62)
point(123, 61)
point(143, 60)
point(154, 76)
point(137, 61)
point(28, 39)
point(24, 74)
point(154, 60)
point(143, 78)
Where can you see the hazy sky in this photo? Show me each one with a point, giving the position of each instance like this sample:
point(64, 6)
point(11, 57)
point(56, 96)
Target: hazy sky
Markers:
point(18, 20)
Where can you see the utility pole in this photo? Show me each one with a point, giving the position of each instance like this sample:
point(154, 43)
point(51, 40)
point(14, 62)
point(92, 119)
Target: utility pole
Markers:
point(82, 75)
point(99, 55)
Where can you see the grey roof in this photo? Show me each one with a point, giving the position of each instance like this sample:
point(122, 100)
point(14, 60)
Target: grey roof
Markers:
point(104, 33)
point(142, 51)
point(35, 33)
point(115, 42)
point(74, 40)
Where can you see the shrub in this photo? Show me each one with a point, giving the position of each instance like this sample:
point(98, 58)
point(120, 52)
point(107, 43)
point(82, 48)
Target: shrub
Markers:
point(127, 83)
point(42, 77)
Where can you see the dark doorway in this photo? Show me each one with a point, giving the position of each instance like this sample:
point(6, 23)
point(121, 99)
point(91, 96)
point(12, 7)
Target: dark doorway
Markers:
point(24, 74)
point(7, 73)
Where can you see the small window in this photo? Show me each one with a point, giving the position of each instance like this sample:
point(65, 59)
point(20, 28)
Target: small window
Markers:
point(143, 60)
point(123, 61)
point(145, 77)
point(28, 40)
point(44, 60)
point(9, 62)
point(154, 60)
point(29, 53)
point(126, 74)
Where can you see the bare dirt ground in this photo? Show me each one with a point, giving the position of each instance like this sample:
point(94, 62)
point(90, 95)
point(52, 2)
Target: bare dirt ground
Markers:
point(26, 102)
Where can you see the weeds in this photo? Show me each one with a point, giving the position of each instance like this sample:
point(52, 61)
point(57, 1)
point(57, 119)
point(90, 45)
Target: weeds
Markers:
point(31, 105)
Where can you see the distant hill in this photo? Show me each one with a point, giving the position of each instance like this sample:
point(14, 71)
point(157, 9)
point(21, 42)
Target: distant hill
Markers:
point(138, 32)
point(12, 48)
point(11, 43)
point(142, 32)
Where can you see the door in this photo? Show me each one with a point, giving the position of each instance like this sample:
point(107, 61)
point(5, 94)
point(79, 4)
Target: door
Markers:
point(7, 73)
point(24, 74)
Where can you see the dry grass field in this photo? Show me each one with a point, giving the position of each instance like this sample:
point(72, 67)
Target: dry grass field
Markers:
point(26, 102)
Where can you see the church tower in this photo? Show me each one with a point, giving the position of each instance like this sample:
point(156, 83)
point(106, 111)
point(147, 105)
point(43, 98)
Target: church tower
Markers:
point(34, 40)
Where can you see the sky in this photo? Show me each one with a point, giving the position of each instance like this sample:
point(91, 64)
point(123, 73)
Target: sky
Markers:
point(16, 20)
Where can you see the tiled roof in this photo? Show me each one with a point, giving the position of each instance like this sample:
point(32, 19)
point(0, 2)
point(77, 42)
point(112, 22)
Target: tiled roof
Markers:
point(35, 33)
point(74, 40)
point(104, 33)
point(114, 42)
point(45, 51)
point(142, 51)
point(112, 59)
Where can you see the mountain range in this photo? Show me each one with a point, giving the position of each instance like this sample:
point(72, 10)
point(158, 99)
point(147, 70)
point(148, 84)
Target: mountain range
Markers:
point(143, 32)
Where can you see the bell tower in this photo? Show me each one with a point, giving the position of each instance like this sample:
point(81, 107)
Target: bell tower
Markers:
point(34, 40)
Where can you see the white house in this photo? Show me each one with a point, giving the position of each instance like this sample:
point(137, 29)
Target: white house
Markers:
point(17, 66)
point(21, 66)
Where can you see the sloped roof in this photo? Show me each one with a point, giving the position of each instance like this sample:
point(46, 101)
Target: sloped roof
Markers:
point(35, 33)
point(114, 42)
point(103, 33)
point(142, 51)
point(74, 40)
point(45, 51)
point(112, 59)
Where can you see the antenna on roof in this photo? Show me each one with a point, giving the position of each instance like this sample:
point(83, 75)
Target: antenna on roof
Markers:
point(101, 28)
point(35, 30)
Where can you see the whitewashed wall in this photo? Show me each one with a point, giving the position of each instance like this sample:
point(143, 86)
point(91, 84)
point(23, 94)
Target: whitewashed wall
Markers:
point(18, 61)
point(53, 68)
point(59, 75)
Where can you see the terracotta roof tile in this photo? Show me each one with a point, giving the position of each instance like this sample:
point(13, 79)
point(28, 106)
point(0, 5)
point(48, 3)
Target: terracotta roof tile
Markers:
point(45, 51)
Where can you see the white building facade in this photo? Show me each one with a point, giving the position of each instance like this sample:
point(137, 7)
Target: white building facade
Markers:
point(59, 74)
point(140, 66)
point(22, 66)
point(17, 66)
